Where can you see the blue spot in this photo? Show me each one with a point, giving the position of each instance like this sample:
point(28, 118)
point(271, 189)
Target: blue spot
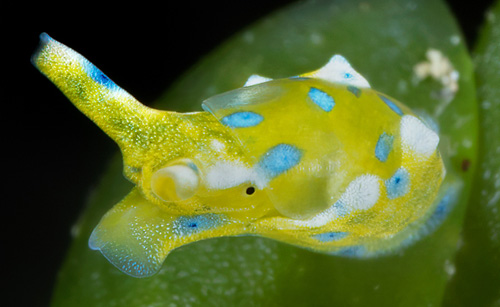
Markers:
point(399, 184)
point(347, 75)
point(192, 166)
point(357, 251)
point(355, 90)
point(45, 38)
point(98, 76)
point(384, 146)
point(340, 208)
point(298, 78)
point(187, 225)
point(445, 205)
point(279, 159)
point(391, 105)
point(443, 208)
point(322, 99)
point(330, 236)
point(242, 119)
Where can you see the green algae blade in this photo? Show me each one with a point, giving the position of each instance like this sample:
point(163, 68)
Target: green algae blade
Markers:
point(385, 40)
point(477, 278)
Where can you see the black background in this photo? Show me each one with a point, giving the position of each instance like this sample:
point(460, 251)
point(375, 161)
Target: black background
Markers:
point(53, 155)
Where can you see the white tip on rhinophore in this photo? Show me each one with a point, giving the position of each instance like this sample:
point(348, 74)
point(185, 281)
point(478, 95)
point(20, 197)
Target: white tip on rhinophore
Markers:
point(338, 70)
point(256, 79)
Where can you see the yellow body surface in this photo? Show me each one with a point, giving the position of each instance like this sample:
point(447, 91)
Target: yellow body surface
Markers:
point(320, 161)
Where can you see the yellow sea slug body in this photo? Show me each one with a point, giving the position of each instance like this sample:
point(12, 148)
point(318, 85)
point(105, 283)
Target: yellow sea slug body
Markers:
point(319, 160)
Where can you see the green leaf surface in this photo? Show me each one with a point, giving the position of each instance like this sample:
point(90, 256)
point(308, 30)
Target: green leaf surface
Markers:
point(477, 278)
point(384, 40)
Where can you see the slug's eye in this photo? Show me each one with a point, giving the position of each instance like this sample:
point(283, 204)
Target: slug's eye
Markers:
point(177, 181)
point(250, 190)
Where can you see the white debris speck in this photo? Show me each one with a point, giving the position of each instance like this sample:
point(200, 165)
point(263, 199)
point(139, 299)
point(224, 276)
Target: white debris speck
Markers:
point(439, 67)
point(455, 40)
point(487, 174)
point(412, 6)
point(490, 17)
point(75, 230)
point(460, 242)
point(486, 105)
point(316, 39)
point(402, 86)
point(467, 143)
point(248, 37)
point(449, 268)
point(364, 6)
point(494, 199)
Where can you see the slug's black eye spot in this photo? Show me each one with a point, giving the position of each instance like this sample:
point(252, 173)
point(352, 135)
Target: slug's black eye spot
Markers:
point(250, 190)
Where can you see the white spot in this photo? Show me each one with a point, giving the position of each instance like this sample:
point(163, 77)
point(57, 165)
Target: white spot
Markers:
point(418, 137)
point(223, 175)
point(217, 145)
point(338, 70)
point(362, 193)
point(256, 79)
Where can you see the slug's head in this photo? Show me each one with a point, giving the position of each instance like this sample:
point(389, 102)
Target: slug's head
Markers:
point(207, 181)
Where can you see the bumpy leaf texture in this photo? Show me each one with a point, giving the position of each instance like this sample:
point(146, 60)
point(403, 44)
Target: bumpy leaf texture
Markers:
point(477, 278)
